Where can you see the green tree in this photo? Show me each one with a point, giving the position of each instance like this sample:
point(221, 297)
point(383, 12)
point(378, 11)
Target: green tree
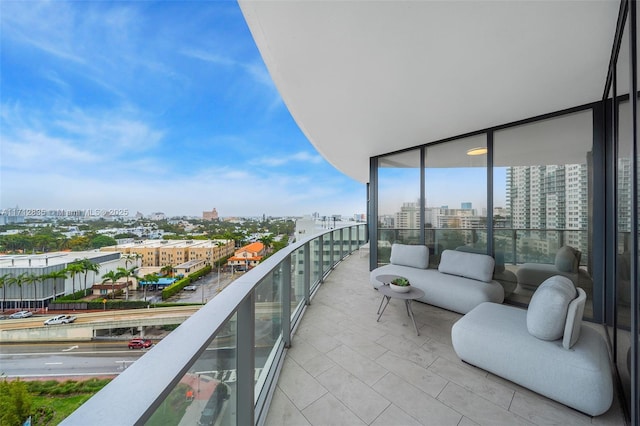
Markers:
point(127, 273)
point(267, 240)
point(74, 268)
point(32, 280)
point(57, 275)
point(19, 281)
point(79, 243)
point(15, 402)
point(112, 276)
point(102, 241)
point(88, 266)
point(148, 278)
point(167, 270)
point(4, 283)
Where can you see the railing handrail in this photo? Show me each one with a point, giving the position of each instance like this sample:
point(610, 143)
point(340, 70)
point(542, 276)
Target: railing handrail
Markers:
point(133, 396)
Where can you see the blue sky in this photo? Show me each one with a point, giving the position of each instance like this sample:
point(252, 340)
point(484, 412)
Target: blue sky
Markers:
point(151, 106)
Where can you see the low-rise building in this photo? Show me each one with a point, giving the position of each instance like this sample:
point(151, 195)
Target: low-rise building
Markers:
point(247, 257)
point(174, 252)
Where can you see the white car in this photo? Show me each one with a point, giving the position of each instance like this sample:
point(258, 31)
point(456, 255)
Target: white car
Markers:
point(190, 288)
point(20, 314)
point(60, 319)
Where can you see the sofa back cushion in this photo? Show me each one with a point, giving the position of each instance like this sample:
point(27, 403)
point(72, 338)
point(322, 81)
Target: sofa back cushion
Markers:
point(568, 259)
point(469, 265)
point(574, 319)
point(416, 256)
point(547, 312)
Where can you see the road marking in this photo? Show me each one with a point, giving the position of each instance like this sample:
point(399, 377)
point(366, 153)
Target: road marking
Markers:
point(52, 363)
point(71, 348)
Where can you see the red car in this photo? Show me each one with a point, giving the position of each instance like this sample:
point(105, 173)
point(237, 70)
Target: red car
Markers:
point(140, 343)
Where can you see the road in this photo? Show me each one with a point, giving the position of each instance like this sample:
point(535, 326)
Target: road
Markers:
point(98, 359)
point(66, 359)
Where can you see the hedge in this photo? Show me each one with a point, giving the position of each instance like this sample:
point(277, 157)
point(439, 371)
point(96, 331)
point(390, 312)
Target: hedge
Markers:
point(180, 284)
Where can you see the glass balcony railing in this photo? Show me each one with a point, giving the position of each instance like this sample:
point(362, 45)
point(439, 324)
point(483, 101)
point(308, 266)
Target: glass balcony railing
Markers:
point(511, 246)
point(222, 364)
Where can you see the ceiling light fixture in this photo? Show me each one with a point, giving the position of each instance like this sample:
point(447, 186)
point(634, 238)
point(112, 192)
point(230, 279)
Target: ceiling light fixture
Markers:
point(481, 150)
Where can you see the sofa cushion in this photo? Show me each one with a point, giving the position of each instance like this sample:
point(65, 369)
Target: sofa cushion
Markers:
point(416, 256)
point(568, 259)
point(498, 257)
point(469, 265)
point(574, 319)
point(547, 312)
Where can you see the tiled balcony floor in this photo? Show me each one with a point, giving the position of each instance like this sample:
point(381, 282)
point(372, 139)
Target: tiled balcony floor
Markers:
point(344, 368)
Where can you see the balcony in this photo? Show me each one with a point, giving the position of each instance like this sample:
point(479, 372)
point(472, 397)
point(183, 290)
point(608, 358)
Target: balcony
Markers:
point(345, 368)
point(229, 362)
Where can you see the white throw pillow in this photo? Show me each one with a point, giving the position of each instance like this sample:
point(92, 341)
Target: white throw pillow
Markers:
point(574, 319)
point(416, 256)
point(547, 313)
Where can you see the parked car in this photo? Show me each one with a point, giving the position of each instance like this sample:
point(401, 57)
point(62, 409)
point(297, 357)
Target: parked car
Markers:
point(140, 343)
point(60, 319)
point(190, 288)
point(21, 314)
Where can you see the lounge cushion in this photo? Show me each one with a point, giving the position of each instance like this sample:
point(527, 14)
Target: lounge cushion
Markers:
point(568, 259)
point(574, 319)
point(416, 256)
point(547, 313)
point(469, 265)
point(494, 337)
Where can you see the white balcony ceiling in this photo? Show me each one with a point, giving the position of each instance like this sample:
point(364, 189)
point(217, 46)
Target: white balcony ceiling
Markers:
point(364, 78)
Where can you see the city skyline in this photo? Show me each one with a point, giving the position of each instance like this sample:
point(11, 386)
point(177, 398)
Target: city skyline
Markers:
point(151, 106)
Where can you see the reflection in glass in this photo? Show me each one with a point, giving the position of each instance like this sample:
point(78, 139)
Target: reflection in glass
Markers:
point(398, 201)
point(541, 171)
point(206, 394)
point(456, 196)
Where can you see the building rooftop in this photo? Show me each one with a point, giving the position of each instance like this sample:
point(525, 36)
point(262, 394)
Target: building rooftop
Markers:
point(47, 259)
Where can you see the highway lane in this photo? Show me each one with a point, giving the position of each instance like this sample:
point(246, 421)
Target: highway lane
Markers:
point(66, 359)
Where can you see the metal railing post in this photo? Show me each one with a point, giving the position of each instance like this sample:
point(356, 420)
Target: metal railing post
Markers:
point(286, 301)
point(245, 409)
point(321, 258)
point(307, 274)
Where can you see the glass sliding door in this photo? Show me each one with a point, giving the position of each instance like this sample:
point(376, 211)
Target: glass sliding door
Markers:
point(541, 173)
point(399, 215)
point(624, 193)
point(456, 196)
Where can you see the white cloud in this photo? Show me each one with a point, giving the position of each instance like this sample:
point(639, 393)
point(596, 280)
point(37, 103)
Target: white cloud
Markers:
point(298, 158)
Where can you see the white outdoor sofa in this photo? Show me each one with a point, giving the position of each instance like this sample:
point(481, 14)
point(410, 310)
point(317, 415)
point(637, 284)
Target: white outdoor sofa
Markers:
point(461, 282)
point(545, 348)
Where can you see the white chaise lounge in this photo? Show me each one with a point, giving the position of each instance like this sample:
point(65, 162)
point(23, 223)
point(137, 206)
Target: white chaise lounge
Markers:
point(546, 348)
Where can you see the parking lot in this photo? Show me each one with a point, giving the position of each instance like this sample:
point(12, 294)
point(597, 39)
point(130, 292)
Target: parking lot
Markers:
point(206, 287)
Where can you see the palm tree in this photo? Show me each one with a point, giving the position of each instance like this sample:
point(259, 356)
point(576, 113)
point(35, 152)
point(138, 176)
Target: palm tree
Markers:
point(18, 280)
point(124, 272)
point(57, 275)
point(112, 276)
point(32, 279)
point(74, 268)
point(167, 270)
point(131, 258)
point(267, 241)
point(88, 266)
point(4, 282)
point(148, 278)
